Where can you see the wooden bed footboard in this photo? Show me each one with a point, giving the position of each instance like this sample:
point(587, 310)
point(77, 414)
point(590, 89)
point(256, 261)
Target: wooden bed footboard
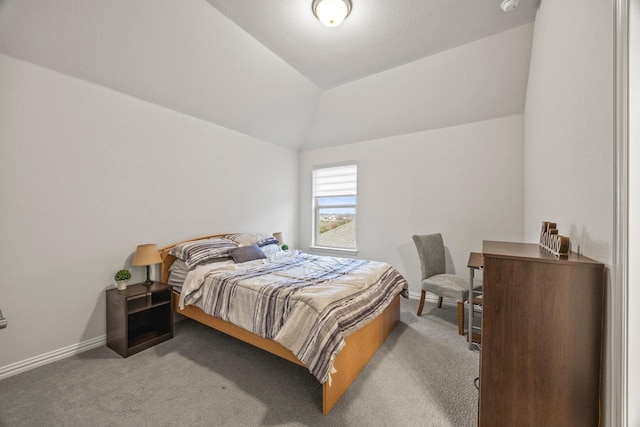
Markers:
point(359, 349)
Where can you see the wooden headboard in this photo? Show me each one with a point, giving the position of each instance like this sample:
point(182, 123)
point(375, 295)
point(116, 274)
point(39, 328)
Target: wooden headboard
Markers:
point(168, 259)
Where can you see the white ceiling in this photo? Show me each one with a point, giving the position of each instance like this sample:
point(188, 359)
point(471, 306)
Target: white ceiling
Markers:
point(376, 36)
point(270, 69)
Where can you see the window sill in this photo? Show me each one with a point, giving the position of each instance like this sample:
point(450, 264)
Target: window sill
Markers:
point(333, 251)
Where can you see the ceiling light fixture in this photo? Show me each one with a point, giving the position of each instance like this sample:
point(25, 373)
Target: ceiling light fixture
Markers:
point(509, 5)
point(331, 12)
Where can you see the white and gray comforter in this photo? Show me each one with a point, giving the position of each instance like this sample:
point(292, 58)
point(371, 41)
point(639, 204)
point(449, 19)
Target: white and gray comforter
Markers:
point(307, 303)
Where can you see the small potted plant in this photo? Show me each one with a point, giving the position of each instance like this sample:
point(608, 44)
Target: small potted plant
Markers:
point(122, 277)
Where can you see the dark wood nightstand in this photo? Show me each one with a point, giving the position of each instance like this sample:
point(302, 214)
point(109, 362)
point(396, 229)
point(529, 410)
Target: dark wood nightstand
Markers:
point(138, 317)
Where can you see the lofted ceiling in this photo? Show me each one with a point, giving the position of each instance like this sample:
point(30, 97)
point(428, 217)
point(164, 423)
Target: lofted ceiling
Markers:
point(376, 36)
point(270, 69)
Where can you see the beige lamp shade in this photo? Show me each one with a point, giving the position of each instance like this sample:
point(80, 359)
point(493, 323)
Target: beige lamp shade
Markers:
point(279, 237)
point(146, 255)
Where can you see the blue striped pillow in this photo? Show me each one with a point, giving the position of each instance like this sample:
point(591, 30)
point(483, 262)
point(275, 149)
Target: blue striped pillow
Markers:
point(268, 241)
point(201, 251)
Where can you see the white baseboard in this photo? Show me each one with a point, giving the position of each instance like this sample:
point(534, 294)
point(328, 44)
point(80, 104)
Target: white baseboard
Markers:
point(52, 356)
point(414, 295)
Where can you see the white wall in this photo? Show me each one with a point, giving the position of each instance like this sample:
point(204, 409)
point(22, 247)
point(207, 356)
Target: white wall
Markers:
point(87, 173)
point(464, 181)
point(568, 124)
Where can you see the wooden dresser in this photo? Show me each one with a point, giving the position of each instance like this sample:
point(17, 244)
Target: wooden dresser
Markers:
point(541, 337)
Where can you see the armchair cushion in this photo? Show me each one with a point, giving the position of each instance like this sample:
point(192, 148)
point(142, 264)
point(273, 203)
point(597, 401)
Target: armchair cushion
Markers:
point(448, 286)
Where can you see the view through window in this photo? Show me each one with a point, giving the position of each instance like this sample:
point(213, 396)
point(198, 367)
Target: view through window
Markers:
point(334, 202)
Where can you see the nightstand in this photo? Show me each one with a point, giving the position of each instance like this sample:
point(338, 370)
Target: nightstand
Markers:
point(138, 317)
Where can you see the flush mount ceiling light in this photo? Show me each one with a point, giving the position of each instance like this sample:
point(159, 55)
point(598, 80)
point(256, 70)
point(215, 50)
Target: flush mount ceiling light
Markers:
point(509, 5)
point(331, 12)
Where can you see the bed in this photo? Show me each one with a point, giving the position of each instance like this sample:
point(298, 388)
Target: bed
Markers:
point(287, 302)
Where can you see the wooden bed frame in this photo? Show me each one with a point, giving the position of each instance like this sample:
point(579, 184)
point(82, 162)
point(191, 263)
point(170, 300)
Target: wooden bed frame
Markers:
point(359, 349)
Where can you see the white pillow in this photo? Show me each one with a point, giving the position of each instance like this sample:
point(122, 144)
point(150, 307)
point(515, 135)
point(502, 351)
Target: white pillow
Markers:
point(271, 250)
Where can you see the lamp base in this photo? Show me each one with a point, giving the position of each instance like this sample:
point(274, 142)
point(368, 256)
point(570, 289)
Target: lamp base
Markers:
point(148, 282)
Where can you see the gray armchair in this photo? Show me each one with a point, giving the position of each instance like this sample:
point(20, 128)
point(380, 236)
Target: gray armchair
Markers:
point(435, 280)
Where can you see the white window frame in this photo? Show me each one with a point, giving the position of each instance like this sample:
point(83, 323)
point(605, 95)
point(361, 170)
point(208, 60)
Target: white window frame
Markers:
point(316, 210)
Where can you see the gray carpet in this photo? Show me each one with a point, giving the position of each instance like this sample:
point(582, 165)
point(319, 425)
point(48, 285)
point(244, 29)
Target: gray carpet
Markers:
point(422, 376)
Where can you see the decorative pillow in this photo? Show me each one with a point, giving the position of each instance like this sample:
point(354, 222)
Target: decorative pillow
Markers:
point(247, 253)
point(201, 251)
point(246, 239)
point(268, 241)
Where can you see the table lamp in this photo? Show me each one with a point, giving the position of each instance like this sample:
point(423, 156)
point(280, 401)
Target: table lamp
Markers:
point(280, 238)
point(147, 255)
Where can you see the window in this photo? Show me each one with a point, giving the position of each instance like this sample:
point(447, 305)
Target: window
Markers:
point(335, 193)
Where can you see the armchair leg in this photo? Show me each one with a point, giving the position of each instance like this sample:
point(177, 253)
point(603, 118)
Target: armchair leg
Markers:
point(421, 306)
point(460, 318)
point(439, 302)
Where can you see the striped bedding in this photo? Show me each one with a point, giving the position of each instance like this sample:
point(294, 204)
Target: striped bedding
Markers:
point(307, 303)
